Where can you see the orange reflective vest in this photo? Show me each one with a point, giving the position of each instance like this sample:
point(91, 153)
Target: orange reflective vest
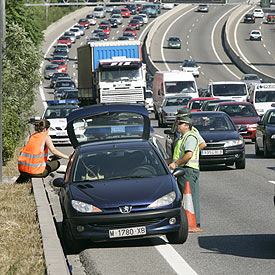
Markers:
point(34, 155)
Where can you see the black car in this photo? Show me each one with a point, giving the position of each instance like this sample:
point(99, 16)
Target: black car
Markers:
point(249, 18)
point(132, 8)
point(224, 143)
point(55, 76)
point(265, 135)
point(113, 23)
point(63, 84)
point(117, 185)
point(69, 94)
point(210, 105)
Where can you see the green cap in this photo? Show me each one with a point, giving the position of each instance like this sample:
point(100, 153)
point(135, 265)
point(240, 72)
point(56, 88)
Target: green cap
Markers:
point(184, 112)
point(185, 119)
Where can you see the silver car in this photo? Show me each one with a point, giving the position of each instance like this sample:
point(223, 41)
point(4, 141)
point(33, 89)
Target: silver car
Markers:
point(99, 12)
point(251, 80)
point(203, 8)
point(50, 70)
point(174, 42)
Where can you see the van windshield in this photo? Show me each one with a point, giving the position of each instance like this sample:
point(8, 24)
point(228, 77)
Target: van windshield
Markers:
point(229, 90)
point(265, 96)
point(182, 87)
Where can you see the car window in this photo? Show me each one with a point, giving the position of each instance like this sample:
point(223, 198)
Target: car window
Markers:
point(57, 112)
point(238, 110)
point(116, 163)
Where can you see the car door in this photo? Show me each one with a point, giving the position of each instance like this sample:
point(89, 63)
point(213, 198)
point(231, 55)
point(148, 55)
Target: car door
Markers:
point(260, 131)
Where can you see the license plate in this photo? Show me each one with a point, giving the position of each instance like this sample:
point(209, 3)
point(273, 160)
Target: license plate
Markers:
point(127, 232)
point(61, 134)
point(211, 152)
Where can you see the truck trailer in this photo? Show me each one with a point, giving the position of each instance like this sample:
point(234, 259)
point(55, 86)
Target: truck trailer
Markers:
point(111, 72)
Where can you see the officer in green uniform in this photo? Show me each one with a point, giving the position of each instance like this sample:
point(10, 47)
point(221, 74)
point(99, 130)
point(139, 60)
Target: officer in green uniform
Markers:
point(186, 154)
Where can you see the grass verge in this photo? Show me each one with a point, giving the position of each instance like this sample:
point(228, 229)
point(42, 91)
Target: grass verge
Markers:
point(21, 250)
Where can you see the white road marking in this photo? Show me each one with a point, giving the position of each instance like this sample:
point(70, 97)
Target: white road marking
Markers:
point(173, 258)
point(213, 46)
point(193, 25)
point(271, 181)
point(269, 52)
point(190, 30)
point(186, 42)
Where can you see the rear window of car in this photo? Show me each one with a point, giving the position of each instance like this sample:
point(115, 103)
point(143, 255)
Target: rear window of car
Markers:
point(117, 163)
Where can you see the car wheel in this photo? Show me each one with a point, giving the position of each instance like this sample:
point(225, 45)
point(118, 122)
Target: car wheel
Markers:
point(240, 164)
point(71, 244)
point(180, 236)
point(267, 154)
point(257, 150)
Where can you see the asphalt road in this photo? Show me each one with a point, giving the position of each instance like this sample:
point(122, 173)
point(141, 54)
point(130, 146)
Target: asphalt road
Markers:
point(237, 212)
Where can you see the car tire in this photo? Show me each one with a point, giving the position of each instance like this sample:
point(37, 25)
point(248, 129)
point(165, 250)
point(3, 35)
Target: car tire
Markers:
point(267, 154)
point(180, 236)
point(240, 164)
point(257, 149)
point(71, 244)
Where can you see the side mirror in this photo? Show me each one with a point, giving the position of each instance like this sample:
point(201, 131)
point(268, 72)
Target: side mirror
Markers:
point(59, 182)
point(178, 172)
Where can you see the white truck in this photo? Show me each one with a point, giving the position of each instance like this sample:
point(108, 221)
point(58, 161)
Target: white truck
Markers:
point(262, 97)
point(172, 83)
point(111, 72)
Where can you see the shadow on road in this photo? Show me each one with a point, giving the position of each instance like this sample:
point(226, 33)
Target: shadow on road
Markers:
point(260, 246)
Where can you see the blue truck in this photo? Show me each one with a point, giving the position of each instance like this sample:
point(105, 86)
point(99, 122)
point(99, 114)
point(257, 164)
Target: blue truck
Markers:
point(111, 72)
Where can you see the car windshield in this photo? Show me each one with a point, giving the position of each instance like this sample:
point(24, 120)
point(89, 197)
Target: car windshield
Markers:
point(53, 112)
point(229, 90)
point(174, 39)
point(112, 126)
point(176, 101)
point(173, 87)
point(238, 110)
point(212, 123)
point(251, 77)
point(117, 163)
point(190, 64)
point(265, 96)
point(65, 84)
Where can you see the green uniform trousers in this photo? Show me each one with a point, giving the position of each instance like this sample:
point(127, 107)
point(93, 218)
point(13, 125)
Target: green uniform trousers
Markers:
point(191, 175)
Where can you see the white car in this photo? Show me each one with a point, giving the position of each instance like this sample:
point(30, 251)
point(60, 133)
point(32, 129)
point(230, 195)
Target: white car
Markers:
point(76, 31)
point(99, 12)
point(91, 18)
point(149, 101)
point(168, 6)
point(255, 35)
point(190, 66)
point(145, 17)
point(203, 8)
point(118, 18)
point(81, 29)
point(258, 13)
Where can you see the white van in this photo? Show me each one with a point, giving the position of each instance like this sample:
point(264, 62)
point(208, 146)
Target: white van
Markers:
point(233, 90)
point(171, 84)
point(262, 96)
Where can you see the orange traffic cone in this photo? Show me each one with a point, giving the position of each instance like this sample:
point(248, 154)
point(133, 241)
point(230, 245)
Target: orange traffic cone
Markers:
point(189, 209)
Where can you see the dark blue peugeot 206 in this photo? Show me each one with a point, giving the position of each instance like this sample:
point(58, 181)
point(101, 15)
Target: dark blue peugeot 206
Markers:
point(117, 184)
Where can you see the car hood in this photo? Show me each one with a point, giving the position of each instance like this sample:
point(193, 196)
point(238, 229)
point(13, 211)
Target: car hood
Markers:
point(58, 122)
point(211, 136)
point(114, 193)
point(171, 109)
point(245, 120)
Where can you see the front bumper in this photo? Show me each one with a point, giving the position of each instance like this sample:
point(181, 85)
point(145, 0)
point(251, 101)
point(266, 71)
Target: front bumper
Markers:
point(96, 227)
point(169, 119)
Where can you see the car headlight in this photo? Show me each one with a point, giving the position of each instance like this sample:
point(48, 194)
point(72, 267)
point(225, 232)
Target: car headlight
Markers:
point(233, 142)
point(273, 136)
point(163, 201)
point(84, 207)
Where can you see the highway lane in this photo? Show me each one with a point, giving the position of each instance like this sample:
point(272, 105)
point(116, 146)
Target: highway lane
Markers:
point(260, 54)
point(237, 216)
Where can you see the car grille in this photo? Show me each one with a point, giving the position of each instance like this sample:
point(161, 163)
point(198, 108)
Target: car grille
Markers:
point(124, 224)
point(215, 145)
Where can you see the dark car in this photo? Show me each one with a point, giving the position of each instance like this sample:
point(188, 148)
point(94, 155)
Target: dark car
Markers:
point(69, 94)
point(225, 145)
point(117, 185)
point(140, 19)
point(249, 18)
point(135, 23)
point(113, 23)
point(174, 42)
point(55, 76)
point(61, 55)
point(132, 8)
point(265, 134)
point(244, 115)
point(63, 84)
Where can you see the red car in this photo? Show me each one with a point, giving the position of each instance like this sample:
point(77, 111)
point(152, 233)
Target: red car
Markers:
point(134, 23)
point(65, 40)
point(130, 30)
point(195, 103)
point(84, 22)
point(125, 12)
point(244, 115)
point(105, 28)
point(139, 7)
point(62, 65)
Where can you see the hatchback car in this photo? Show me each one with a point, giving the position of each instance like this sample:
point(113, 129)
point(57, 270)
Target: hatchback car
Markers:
point(81, 29)
point(191, 66)
point(195, 103)
point(57, 75)
point(249, 18)
point(91, 18)
point(118, 18)
point(105, 28)
point(99, 12)
point(125, 13)
point(135, 24)
point(244, 115)
point(50, 69)
point(65, 40)
point(117, 185)
point(203, 8)
point(72, 35)
point(62, 65)
point(258, 13)
point(130, 30)
point(255, 35)
point(166, 113)
point(265, 134)
point(224, 143)
point(174, 42)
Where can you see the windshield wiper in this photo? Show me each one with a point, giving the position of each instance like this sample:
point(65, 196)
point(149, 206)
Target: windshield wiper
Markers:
point(126, 177)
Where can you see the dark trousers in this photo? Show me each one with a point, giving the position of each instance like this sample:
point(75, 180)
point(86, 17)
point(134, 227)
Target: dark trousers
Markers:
point(191, 175)
point(51, 166)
